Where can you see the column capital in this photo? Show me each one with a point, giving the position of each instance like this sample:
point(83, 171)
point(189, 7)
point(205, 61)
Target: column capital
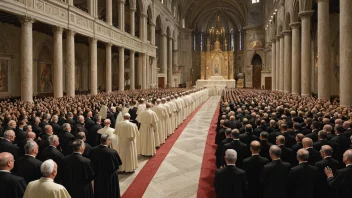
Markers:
point(26, 20)
point(70, 32)
point(286, 32)
point(132, 52)
point(295, 25)
point(306, 14)
point(279, 36)
point(108, 45)
point(322, 1)
point(93, 40)
point(273, 40)
point(133, 9)
point(152, 24)
point(57, 30)
point(122, 1)
point(143, 15)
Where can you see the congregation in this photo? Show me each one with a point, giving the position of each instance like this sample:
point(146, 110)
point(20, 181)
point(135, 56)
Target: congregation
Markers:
point(57, 147)
point(273, 144)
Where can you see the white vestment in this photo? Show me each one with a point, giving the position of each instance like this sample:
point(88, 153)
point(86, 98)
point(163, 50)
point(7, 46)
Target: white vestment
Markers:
point(45, 188)
point(168, 125)
point(141, 107)
point(148, 120)
point(110, 131)
point(103, 112)
point(173, 108)
point(127, 132)
point(161, 132)
point(119, 117)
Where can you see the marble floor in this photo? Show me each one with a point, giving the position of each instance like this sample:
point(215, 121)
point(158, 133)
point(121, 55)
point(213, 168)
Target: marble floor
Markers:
point(179, 173)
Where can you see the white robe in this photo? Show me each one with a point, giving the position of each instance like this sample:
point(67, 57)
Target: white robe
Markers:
point(161, 132)
point(110, 131)
point(103, 112)
point(45, 188)
point(148, 120)
point(168, 125)
point(173, 118)
point(141, 107)
point(119, 117)
point(127, 132)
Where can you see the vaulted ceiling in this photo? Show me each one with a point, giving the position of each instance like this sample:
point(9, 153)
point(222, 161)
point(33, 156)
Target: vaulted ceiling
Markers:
point(201, 15)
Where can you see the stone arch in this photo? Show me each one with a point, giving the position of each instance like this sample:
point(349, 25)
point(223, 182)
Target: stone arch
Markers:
point(149, 22)
point(257, 65)
point(295, 11)
point(305, 5)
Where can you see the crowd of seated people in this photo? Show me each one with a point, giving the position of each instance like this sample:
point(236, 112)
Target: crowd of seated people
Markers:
point(58, 128)
point(272, 144)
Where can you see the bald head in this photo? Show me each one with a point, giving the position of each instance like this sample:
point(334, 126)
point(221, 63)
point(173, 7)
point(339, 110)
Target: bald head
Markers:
point(148, 105)
point(9, 135)
point(31, 136)
point(326, 151)
point(255, 147)
point(347, 157)
point(307, 142)
point(107, 122)
point(6, 161)
point(302, 155)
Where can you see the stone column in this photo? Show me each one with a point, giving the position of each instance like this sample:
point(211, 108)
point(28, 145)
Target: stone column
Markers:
point(70, 63)
point(91, 7)
point(139, 69)
point(273, 65)
point(108, 77)
point(145, 71)
point(58, 62)
point(121, 68)
point(133, 21)
point(152, 33)
point(108, 12)
point(282, 67)
point(324, 70)
point(93, 66)
point(163, 56)
point(169, 63)
point(345, 53)
point(287, 62)
point(277, 62)
point(306, 53)
point(132, 70)
point(296, 58)
point(143, 27)
point(27, 58)
point(121, 20)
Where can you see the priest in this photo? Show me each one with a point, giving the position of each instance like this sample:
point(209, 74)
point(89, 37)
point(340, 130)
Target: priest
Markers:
point(160, 132)
point(148, 120)
point(78, 172)
point(106, 164)
point(127, 132)
point(168, 124)
point(110, 131)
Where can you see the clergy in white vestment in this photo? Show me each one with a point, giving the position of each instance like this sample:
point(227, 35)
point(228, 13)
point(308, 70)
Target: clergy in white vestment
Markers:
point(103, 111)
point(180, 109)
point(141, 106)
point(45, 187)
point(127, 132)
point(160, 134)
point(110, 131)
point(148, 120)
point(168, 124)
point(122, 112)
point(173, 108)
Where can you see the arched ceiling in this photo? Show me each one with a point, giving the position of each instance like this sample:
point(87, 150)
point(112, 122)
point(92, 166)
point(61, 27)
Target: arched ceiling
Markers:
point(201, 15)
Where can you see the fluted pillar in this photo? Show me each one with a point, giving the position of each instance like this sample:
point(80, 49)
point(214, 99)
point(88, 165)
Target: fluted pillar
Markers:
point(282, 66)
point(93, 66)
point(132, 70)
point(70, 63)
point(306, 53)
point(277, 62)
point(132, 21)
point(121, 68)
point(169, 63)
point(163, 56)
point(108, 78)
point(27, 58)
point(287, 61)
point(146, 74)
point(152, 33)
point(345, 53)
point(121, 20)
point(324, 70)
point(58, 62)
point(143, 27)
point(296, 58)
point(108, 12)
point(273, 64)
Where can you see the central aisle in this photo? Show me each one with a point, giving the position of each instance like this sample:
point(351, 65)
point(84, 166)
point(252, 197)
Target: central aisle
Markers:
point(179, 173)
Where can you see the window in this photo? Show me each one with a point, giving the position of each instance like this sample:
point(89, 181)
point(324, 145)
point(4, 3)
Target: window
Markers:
point(201, 42)
point(255, 1)
point(194, 42)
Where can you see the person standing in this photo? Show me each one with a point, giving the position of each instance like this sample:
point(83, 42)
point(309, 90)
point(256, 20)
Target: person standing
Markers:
point(106, 163)
point(46, 187)
point(78, 172)
point(110, 131)
point(127, 132)
point(230, 181)
point(11, 186)
point(161, 127)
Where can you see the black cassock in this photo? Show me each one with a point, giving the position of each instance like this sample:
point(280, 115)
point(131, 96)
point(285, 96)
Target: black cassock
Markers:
point(106, 164)
point(78, 174)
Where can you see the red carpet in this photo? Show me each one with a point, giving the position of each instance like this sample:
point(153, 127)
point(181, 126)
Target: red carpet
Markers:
point(207, 172)
point(145, 176)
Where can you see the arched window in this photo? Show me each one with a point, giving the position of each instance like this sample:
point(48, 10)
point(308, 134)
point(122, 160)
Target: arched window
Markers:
point(255, 1)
